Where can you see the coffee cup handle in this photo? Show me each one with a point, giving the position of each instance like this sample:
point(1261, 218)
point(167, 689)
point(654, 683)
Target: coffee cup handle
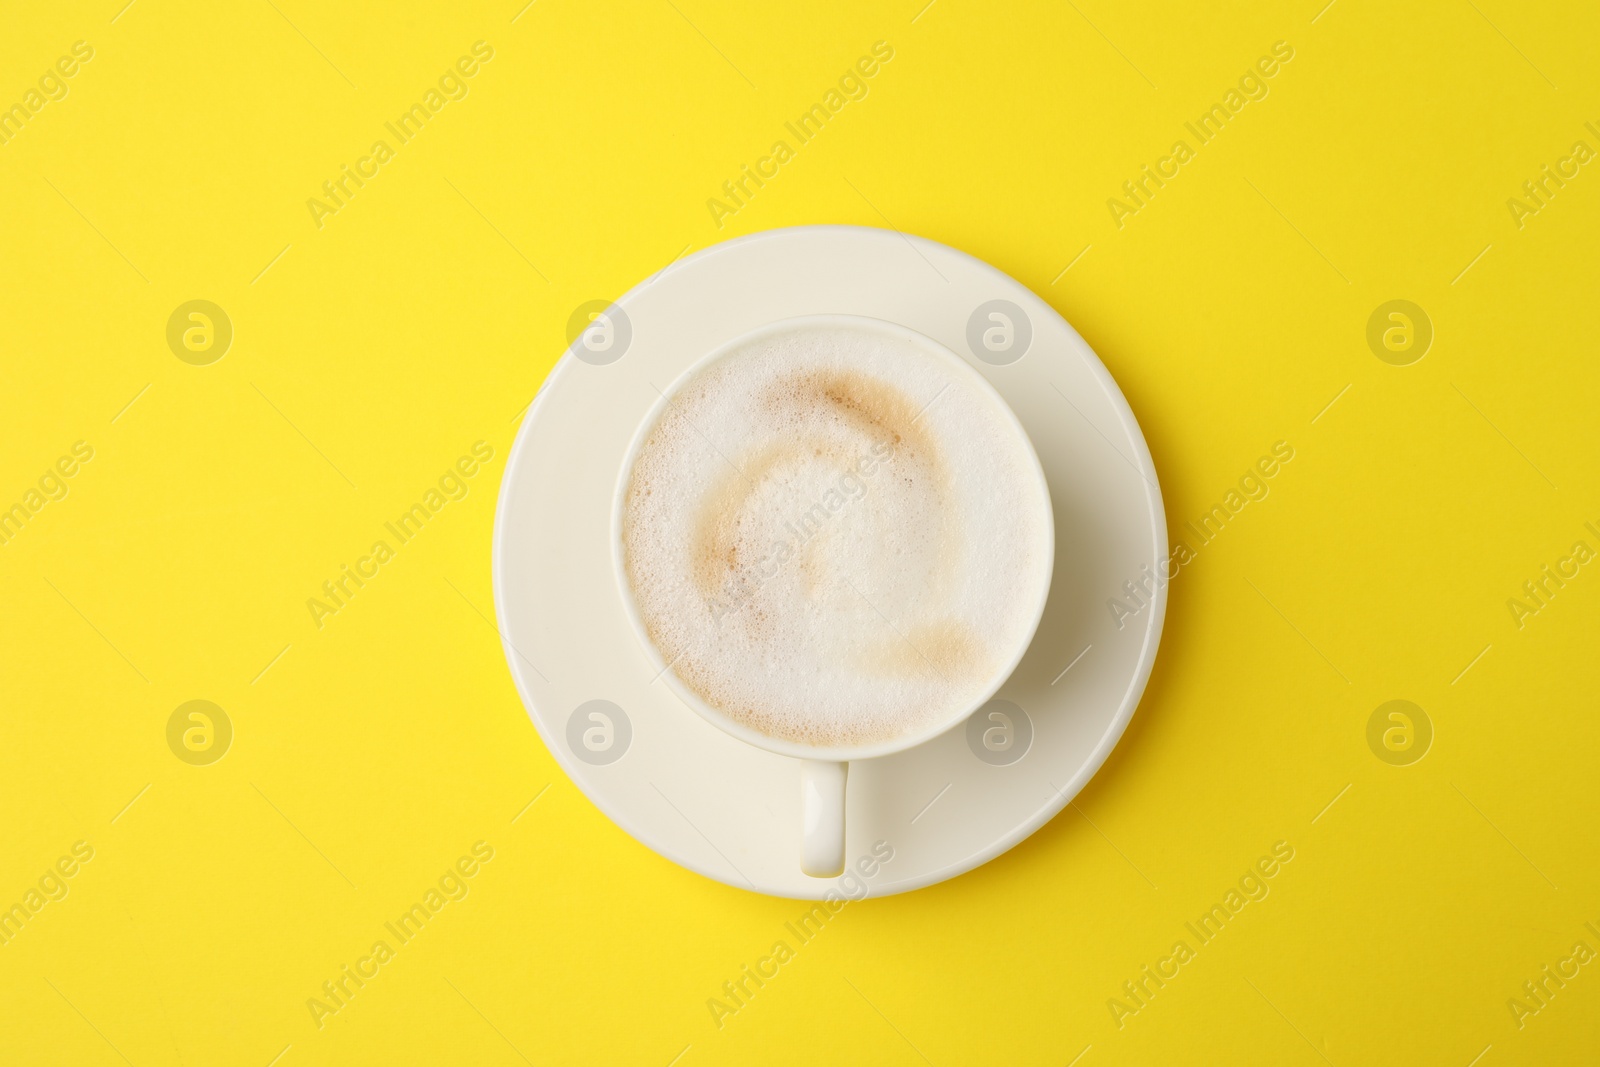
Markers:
point(822, 817)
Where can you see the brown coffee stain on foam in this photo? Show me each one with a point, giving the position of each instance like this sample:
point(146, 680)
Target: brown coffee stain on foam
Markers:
point(948, 647)
point(885, 415)
point(870, 405)
point(811, 556)
point(823, 403)
point(714, 549)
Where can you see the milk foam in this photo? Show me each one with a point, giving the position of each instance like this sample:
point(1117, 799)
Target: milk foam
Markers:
point(834, 537)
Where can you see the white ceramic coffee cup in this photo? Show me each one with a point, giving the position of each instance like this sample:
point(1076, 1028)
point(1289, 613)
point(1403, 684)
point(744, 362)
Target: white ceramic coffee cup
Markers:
point(823, 770)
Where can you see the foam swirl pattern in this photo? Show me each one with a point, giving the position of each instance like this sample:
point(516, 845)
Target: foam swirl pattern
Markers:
point(834, 536)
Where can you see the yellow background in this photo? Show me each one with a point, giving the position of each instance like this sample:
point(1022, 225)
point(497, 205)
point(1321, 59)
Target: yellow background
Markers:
point(422, 317)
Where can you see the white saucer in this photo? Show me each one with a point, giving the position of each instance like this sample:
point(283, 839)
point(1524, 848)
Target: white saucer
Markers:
point(726, 809)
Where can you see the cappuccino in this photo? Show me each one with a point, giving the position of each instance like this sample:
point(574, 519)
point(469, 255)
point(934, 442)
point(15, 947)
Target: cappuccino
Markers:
point(836, 535)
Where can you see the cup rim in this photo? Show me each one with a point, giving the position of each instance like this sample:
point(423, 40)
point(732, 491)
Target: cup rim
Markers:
point(750, 735)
